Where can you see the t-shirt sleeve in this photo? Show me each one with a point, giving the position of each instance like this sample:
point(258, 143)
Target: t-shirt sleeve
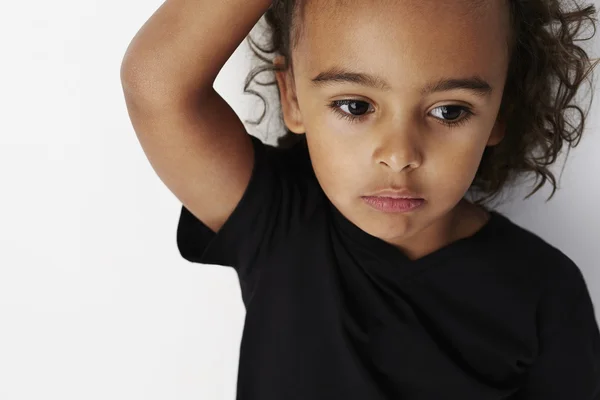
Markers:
point(273, 203)
point(568, 363)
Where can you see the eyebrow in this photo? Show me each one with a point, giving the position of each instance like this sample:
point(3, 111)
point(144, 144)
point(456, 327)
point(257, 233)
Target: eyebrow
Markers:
point(335, 75)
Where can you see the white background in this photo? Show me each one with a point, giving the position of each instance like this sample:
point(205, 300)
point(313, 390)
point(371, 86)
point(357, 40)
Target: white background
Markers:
point(95, 300)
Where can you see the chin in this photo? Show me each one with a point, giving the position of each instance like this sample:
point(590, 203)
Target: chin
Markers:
point(388, 226)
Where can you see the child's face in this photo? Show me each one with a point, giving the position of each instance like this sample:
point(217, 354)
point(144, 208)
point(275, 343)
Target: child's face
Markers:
point(402, 140)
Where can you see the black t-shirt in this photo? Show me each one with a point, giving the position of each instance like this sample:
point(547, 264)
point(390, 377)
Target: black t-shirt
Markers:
point(334, 313)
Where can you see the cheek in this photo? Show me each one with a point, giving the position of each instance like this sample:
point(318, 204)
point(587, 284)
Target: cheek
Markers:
point(455, 172)
point(336, 169)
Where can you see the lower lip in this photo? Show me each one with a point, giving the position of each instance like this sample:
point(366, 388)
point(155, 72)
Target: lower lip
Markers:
point(389, 204)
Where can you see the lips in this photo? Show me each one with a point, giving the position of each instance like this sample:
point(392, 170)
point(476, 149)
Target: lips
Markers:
point(395, 193)
point(388, 204)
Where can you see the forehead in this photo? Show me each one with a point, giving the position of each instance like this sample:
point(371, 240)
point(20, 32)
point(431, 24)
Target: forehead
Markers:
point(405, 41)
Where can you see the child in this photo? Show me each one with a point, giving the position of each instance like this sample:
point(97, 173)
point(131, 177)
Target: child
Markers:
point(365, 271)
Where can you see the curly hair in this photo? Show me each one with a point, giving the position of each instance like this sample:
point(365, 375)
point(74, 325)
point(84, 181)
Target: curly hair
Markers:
point(546, 70)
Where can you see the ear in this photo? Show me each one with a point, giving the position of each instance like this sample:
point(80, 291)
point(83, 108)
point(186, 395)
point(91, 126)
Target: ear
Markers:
point(289, 102)
point(498, 132)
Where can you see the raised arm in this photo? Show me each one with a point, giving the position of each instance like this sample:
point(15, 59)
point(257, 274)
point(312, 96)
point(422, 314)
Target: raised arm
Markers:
point(192, 138)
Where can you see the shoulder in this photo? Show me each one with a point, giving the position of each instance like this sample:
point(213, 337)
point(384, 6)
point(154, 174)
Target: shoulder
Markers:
point(557, 278)
point(538, 265)
point(526, 246)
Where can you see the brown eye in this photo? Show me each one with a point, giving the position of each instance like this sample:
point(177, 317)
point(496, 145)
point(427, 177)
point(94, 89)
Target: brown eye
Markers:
point(451, 112)
point(357, 109)
point(451, 115)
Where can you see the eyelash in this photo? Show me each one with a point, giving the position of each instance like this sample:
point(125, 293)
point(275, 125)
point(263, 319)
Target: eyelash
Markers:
point(334, 105)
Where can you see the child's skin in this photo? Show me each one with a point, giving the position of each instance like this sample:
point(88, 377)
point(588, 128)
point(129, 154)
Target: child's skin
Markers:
point(402, 141)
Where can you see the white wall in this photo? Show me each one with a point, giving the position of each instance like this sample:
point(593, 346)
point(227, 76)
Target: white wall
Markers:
point(95, 301)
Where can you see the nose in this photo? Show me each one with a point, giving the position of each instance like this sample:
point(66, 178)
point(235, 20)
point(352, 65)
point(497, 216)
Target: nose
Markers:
point(400, 150)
